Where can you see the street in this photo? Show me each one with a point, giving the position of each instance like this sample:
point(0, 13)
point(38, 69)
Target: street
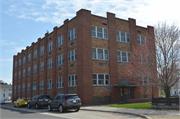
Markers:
point(8, 111)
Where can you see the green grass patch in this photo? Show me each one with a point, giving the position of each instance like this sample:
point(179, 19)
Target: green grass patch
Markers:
point(146, 105)
point(163, 93)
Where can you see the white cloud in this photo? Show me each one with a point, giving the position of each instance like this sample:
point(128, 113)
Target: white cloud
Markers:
point(146, 12)
point(6, 42)
point(18, 49)
point(5, 60)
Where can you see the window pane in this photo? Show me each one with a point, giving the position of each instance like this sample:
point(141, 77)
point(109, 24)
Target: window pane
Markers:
point(99, 32)
point(93, 31)
point(123, 36)
point(128, 37)
point(101, 76)
point(117, 36)
point(138, 39)
point(124, 59)
point(93, 53)
point(94, 76)
point(100, 53)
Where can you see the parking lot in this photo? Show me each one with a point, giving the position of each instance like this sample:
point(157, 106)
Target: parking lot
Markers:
point(8, 111)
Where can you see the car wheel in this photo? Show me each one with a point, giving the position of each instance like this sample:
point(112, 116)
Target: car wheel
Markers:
point(77, 109)
point(37, 107)
point(61, 109)
point(49, 107)
point(29, 106)
point(18, 105)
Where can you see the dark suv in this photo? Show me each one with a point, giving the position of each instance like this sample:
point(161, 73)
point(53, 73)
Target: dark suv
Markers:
point(65, 101)
point(39, 101)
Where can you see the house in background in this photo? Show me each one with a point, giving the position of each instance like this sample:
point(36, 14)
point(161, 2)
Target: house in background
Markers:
point(6, 91)
point(175, 90)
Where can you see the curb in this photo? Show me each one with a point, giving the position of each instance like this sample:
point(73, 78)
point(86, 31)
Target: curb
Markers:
point(139, 115)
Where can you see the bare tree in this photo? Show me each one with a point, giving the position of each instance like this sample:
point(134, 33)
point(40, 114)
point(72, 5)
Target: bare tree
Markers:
point(159, 59)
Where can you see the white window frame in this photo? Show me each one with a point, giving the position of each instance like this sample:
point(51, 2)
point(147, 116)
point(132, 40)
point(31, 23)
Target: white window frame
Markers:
point(23, 87)
point(72, 55)
point(104, 55)
point(50, 46)
point(59, 82)
point(72, 82)
point(59, 60)
point(49, 83)
point(50, 63)
point(129, 59)
point(72, 34)
point(19, 63)
point(35, 54)
point(19, 88)
point(34, 86)
point(23, 72)
point(35, 68)
point(59, 41)
point(15, 65)
point(41, 85)
point(19, 74)
point(24, 59)
point(140, 40)
point(29, 56)
point(103, 34)
point(41, 66)
point(41, 50)
point(28, 86)
point(97, 80)
point(28, 70)
point(118, 37)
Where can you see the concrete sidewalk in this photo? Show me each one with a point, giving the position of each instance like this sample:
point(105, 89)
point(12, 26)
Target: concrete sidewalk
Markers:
point(132, 111)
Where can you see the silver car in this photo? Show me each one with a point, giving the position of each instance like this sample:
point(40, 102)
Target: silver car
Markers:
point(2, 101)
point(65, 101)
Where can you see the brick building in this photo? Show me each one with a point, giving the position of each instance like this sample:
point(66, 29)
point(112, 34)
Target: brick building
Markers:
point(86, 55)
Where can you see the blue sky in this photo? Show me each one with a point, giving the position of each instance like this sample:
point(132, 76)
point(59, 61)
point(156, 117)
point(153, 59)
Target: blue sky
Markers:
point(24, 21)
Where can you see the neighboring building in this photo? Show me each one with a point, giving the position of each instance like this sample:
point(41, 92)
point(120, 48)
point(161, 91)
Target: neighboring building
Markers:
point(87, 55)
point(175, 90)
point(6, 91)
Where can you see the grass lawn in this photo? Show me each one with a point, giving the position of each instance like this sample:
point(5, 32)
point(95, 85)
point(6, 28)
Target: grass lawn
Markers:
point(146, 105)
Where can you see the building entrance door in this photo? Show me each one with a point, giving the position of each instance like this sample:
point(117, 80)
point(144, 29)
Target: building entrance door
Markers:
point(125, 94)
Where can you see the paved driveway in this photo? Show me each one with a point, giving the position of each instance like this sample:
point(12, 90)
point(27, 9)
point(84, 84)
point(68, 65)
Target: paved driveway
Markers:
point(9, 111)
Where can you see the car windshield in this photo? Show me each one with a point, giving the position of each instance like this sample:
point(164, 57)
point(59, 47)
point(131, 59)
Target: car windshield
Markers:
point(45, 97)
point(24, 99)
point(71, 97)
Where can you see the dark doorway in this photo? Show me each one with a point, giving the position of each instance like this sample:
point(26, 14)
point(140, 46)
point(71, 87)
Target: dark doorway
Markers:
point(125, 94)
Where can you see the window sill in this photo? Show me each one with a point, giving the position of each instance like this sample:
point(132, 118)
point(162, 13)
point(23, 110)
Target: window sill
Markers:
point(59, 87)
point(124, 42)
point(100, 38)
point(72, 86)
point(101, 85)
point(124, 62)
point(100, 60)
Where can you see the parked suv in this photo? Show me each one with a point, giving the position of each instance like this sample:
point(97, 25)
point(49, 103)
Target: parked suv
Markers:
point(65, 101)
point(39, 101)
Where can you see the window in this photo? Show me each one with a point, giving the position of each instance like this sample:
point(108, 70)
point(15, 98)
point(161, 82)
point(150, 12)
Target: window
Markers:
point(19, 74)
point(123, 56)
point(19, 63)
point(72, 80)
point(59, 82)
point(24, 59)
point(50, 46)
point(23, 73)
point(59, 60)
point(41, 85)
point(41, 66)
point(15, 64)
point(15, 75)
point(72, 55)
point(28, 86)
point(50, 63)
point(41, 50)
point(34, 86)
point(29, 57)
point(35, 54)
point(35, 68)
point(49, 84)
point(72, 34)
point(144, 80)
point(29, 71)
point(14, 88)
point(141, 40)
point(100, 54)
point(59, 41)
point(99, 32)
point(18, 88)
point(23, 87)
point(122, 36)
point(101, 79)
